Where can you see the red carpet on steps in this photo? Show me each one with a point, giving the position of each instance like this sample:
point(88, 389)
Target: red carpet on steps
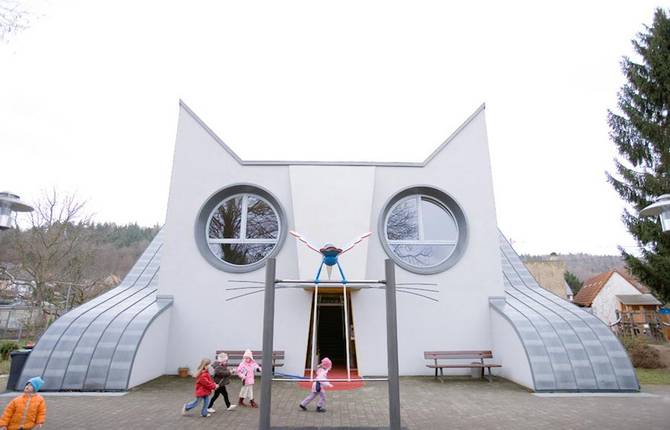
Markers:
point(336, 374)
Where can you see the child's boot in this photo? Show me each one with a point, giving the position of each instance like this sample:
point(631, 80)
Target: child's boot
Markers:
point(302, 406)
point(253, 404)
point(320, 409)
point(241, 402)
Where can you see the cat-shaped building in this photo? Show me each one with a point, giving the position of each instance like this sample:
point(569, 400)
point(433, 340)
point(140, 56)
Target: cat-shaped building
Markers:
point(194, 289)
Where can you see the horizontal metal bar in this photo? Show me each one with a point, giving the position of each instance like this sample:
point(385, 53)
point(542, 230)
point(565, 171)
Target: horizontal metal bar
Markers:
point(300, 281)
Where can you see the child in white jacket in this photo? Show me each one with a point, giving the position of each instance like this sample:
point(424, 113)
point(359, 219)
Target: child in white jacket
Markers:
point(319, 386)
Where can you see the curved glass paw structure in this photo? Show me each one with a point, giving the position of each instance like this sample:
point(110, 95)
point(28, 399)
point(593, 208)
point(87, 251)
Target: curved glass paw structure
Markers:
point(568, 349)
point(93, 347)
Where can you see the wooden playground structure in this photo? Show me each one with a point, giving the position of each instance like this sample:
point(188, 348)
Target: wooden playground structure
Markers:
point(648, 323)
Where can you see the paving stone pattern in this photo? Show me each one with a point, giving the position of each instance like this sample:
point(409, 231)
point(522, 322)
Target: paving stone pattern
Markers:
point(459, 403)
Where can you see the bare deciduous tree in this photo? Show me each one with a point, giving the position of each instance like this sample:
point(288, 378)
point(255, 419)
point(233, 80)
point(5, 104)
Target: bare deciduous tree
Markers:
point(14, 17)
point(55, 255)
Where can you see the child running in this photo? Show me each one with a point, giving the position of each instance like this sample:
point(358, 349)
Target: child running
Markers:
point(222, 377)
point(318, 387)
point(28, 411)
point(246, 373)
point(204, 385)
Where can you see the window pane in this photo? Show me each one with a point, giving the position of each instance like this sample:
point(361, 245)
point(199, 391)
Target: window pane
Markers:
point(403, 221)
point(422, 255)
point(226, 220)
point(438, 223)
point(241, 254)
point(261, 220)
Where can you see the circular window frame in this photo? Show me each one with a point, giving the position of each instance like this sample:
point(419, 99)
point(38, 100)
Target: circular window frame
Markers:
point(205, 214)
point(450, 204)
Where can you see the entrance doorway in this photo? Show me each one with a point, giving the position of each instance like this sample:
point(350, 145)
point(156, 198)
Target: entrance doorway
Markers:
point(330, 331)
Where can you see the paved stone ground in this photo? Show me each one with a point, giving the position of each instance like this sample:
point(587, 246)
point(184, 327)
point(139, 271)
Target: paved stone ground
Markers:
point(459, 403)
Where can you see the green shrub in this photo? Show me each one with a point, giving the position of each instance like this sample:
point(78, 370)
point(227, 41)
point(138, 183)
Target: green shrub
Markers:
point(6, 347)
point(641, 354)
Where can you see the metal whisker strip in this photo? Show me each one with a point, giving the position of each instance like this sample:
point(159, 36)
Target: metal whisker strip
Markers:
point(417, 283)
point(399, 289)
point(247, 282)
point(259, 290)
point(418, 289)
point(245, 294)
point(417, 294)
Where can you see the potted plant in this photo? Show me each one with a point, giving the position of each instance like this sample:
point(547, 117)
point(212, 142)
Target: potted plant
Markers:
point(183, 372)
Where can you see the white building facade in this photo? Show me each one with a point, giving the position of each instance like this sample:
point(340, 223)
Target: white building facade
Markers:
point(194, 291)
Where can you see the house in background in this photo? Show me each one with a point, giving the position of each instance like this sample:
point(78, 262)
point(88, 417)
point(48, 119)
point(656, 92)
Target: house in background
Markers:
point(550, 274)
point(621, 301)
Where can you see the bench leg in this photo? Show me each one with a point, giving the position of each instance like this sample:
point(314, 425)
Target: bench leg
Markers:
point(490, 376)
point(442, 375)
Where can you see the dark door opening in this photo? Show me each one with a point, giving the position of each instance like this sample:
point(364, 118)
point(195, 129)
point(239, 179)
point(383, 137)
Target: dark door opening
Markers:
point(330, 331)
point(330, 334)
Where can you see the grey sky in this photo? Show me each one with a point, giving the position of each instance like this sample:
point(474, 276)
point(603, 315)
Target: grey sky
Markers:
point(89, 97)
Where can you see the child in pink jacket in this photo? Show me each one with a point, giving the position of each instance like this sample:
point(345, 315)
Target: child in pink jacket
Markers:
point(246, 373)
point(319, 386)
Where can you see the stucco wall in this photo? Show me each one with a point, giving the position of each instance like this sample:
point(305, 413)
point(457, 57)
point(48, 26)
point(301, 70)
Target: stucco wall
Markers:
point(329, 203)
point(460, 320)
point(151, 355)
point(605, 303)
point(509, 352)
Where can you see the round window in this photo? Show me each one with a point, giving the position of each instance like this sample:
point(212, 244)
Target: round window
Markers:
point(423, 230)
point(239, 227)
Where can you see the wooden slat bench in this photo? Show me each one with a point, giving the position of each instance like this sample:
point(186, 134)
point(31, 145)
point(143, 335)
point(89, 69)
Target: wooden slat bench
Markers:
point(459, 355)
point(235, 357)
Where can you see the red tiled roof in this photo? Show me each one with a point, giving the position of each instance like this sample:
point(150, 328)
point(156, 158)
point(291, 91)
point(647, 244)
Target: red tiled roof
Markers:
point(592, 286)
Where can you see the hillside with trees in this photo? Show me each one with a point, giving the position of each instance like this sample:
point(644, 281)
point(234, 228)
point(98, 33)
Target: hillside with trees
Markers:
point(583, 266)
point(115, 248)
point(57, 257)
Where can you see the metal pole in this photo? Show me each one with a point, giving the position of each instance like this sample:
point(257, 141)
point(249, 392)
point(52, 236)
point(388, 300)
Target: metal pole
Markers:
point(67, 298)
point(346, 331)
point(268, 334)
point(314, 316)
point(392, 347)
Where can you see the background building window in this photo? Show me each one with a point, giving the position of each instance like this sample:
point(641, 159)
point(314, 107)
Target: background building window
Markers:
point(423, 230)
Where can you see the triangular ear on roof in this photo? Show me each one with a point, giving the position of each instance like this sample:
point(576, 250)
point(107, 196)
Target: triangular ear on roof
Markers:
point(187, 112)
point(458, 132)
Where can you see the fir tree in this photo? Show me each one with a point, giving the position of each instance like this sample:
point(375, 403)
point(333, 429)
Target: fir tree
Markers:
point(641, 132)
point(573, 281)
